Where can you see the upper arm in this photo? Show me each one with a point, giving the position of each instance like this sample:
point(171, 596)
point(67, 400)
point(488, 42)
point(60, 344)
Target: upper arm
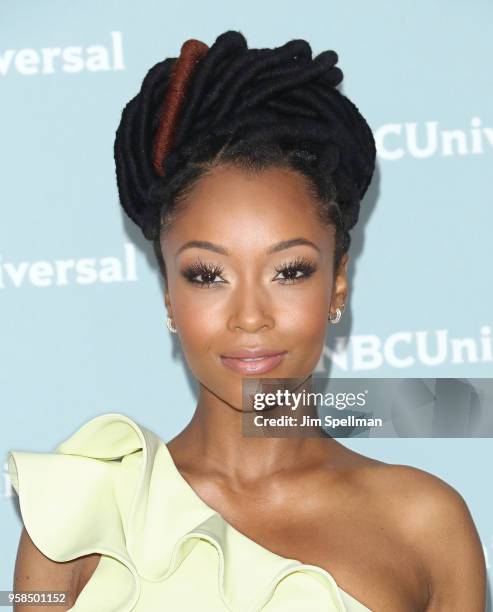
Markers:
point(36, 572)
point(451, 550)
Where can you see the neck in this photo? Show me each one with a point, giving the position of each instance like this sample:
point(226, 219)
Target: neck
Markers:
point(222, 438)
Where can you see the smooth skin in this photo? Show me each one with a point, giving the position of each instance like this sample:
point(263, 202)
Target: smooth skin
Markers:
point(395, 537)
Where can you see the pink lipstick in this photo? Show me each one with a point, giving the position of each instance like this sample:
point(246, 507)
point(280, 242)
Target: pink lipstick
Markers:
point(256, 360)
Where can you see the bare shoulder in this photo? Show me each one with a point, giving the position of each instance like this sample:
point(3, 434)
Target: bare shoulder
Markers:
point(435, 521)
point(34, 571)
point(422, 499)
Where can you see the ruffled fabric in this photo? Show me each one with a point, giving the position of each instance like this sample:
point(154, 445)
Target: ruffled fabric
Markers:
point(113, 488)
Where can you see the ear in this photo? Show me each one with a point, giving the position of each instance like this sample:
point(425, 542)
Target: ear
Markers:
point(340, 286)
point(167, 302)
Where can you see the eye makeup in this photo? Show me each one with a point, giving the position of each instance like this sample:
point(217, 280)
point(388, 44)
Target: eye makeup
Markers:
point(204, 270)
point(290, 269)
point(202, 274)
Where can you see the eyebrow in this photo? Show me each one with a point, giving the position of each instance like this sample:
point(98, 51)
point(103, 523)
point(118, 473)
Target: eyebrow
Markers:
point(216, 248)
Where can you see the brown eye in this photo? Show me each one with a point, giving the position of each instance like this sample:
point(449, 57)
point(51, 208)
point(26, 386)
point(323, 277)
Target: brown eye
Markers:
point(297, 270)
point(202, 274)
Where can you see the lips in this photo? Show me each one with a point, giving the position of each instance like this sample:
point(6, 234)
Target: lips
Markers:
point(256, 360)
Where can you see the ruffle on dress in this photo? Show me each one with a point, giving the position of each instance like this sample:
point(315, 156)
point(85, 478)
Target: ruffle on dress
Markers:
point(113, 488)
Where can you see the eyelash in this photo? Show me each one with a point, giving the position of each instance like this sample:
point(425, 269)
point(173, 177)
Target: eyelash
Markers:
point(300, 264)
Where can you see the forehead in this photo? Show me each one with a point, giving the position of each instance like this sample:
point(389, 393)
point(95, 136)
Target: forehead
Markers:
point(244, 210)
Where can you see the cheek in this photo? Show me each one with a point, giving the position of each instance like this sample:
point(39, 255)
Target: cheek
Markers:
point(200, 320)
point(303, 322)
point(304, 310)
point(305, 329)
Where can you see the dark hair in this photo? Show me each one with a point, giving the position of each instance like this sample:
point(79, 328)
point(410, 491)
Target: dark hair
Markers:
point(252, 108)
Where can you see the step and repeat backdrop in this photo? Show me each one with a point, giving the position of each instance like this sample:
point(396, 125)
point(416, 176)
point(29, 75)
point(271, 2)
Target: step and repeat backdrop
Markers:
point(82, 319)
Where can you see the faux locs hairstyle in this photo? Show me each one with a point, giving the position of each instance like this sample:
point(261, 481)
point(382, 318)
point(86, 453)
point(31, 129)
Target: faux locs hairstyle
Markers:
point(253, 108)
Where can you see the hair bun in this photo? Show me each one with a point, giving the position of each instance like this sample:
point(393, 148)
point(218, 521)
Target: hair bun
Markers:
point(229, 91)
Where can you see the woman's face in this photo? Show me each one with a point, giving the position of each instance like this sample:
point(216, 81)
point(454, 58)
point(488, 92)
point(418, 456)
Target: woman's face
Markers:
point(249, 265)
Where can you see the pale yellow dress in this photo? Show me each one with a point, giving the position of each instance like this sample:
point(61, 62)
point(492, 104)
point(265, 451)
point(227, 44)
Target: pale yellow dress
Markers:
point(113, 488)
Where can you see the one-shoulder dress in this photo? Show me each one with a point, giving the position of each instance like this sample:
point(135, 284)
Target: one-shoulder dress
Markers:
point(113, 488)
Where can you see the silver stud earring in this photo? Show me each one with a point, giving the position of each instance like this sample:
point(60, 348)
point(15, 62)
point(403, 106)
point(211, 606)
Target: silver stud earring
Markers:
point(171, 327)
point(337, 317)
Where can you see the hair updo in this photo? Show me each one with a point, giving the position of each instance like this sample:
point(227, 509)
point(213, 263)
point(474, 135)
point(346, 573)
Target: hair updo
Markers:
point(253, 108)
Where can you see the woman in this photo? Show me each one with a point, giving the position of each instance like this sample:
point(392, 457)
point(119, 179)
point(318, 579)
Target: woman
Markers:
point(246, 168)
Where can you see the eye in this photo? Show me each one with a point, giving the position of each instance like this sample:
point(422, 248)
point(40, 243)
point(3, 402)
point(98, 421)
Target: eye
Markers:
point(202, 274)
point(296, 270)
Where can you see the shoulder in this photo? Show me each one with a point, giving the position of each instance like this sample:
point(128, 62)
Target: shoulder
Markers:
point(34, 571)
point(424, 500)
point(436, 524)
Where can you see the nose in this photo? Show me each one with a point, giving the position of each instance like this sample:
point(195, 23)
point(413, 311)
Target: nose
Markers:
point(250, 310)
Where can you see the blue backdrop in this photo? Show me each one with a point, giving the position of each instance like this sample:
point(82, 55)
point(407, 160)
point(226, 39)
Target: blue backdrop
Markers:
point(82, 321)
